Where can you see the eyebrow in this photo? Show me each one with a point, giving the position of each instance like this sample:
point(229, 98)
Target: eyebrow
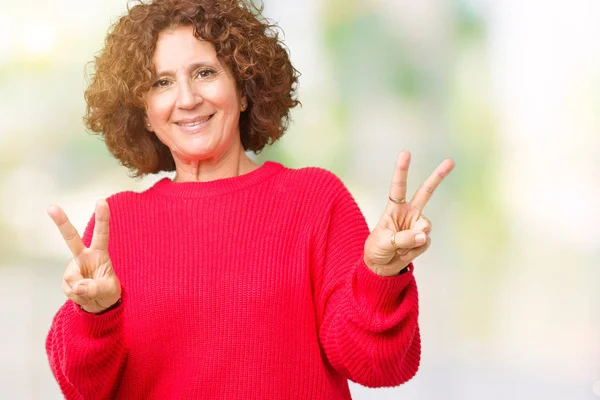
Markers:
point(191, 67)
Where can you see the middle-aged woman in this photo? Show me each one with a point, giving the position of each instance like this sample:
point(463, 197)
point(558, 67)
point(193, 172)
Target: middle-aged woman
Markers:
point(231, 280)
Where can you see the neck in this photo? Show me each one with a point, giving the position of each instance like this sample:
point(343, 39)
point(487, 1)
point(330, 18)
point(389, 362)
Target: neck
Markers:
point(235, 162)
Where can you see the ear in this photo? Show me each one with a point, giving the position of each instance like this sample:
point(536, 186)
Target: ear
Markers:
point(147, 125)
point(243, 103)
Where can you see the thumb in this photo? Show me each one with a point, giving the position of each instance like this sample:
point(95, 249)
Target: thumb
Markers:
point(94, 288)
point(80, 287)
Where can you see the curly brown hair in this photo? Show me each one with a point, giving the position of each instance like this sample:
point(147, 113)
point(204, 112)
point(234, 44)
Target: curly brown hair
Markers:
point(243, 40)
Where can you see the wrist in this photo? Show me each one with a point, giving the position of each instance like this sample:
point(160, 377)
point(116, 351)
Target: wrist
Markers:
point(406, 269)
point(105, 310)
point(387, 270)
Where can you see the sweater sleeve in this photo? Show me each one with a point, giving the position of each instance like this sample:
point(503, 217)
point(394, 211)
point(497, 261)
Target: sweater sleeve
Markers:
point(86, 351)
point(368, 324)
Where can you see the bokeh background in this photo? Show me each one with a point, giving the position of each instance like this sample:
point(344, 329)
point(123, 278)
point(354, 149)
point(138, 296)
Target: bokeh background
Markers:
point(510, 290)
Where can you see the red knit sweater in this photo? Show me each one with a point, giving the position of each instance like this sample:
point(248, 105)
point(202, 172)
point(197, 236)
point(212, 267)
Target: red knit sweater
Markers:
point(251, 287)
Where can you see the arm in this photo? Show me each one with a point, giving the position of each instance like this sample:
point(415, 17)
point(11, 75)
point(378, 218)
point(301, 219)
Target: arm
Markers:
point(367, 311)
point(368, 323)
point(86, 351)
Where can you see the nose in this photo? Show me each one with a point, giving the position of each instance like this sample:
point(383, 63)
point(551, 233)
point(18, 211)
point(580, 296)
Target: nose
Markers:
point(188, 96)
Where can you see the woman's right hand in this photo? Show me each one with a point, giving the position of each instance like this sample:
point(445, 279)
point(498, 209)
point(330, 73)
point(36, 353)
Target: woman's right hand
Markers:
point(89, 279)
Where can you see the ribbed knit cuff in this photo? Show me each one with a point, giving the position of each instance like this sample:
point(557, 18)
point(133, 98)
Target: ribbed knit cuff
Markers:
point(382, 301)
point(98, 325)
point(381, 292)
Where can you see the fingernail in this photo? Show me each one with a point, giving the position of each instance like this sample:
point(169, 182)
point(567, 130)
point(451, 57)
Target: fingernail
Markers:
point(80, 290)
point(420, 238)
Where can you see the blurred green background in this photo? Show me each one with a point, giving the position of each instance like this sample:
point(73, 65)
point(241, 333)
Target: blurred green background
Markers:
point(510, 289)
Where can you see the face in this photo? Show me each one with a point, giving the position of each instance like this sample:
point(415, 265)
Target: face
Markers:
point(194, 105)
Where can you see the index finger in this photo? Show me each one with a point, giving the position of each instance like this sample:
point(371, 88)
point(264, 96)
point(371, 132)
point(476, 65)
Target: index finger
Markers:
point(100, 236)
point(398, 187)
point(67, 230)
point(428, 187)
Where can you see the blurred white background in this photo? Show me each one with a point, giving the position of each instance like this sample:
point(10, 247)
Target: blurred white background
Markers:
point(510, 289)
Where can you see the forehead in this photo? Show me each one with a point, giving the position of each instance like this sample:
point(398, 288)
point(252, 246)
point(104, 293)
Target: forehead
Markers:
point(176, 47)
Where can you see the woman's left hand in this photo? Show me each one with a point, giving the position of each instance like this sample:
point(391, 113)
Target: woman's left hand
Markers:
point(402, 233)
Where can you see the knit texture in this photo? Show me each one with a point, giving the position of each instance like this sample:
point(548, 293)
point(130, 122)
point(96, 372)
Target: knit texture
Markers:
point(251, 287)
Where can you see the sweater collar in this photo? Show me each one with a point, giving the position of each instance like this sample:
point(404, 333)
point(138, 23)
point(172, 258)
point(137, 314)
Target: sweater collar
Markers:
point(217, 187)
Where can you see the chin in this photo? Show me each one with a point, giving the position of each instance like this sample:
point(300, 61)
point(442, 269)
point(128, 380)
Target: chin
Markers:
point(200, 150)
point(197, 151)
point(199, 156)
point(190, 155)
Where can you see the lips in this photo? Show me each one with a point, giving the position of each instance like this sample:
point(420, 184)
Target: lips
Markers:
point(192, 122)
point(194, 125)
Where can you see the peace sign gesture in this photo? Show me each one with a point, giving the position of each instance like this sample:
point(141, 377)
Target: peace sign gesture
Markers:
point(402, 233)
point(89, 279)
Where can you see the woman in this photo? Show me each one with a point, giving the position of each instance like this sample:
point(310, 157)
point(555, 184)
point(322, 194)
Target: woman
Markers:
point(232, 280)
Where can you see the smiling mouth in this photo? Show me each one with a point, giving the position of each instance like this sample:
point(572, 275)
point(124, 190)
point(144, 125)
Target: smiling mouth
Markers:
point(191, 124)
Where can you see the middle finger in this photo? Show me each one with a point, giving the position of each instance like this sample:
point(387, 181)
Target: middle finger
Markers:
point(428, 187)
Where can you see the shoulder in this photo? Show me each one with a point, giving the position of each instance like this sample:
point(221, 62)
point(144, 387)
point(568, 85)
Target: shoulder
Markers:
point(314, 187)
point(314, 179)
point(324, 195)
point(124, 196)
point(127, 197)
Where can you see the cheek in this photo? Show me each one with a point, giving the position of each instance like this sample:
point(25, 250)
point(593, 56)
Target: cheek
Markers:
point(158, 109)
point(224, 95)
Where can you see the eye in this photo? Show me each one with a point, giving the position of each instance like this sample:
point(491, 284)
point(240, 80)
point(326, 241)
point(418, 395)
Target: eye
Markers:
point(161, 83)
point(205, 73)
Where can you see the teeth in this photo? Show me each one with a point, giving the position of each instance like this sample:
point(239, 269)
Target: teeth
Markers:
point(194, 123)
